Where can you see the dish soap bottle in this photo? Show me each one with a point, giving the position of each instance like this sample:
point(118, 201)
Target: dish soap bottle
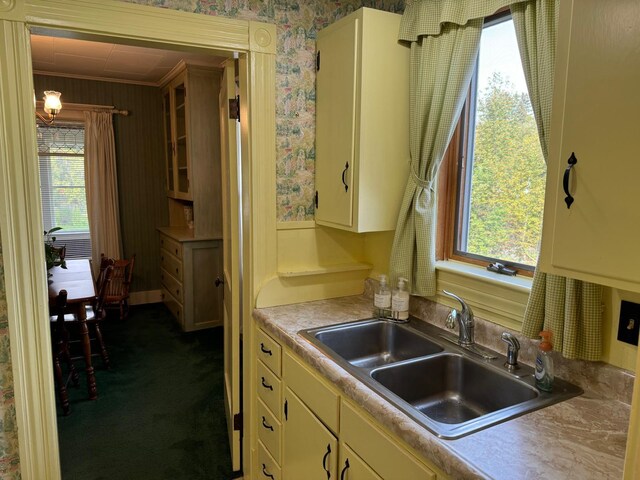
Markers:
point(400, 301)
point(382, 298)
point(544, 363)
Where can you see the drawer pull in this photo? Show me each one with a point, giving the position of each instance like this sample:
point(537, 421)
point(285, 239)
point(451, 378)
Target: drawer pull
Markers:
point(265, 350)
point(324, 460)
point(176, 252)
point(265, 424)
point(266, 385)
point(265, 473)
point(344, 470)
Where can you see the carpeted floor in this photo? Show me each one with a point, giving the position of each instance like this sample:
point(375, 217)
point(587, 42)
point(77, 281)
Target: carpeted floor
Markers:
point(160, 409)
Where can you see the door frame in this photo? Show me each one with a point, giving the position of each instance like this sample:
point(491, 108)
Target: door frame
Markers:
point(20, 216)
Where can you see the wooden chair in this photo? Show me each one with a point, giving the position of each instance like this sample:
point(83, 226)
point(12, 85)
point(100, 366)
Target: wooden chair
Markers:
point(118, 291)
point(60, 347)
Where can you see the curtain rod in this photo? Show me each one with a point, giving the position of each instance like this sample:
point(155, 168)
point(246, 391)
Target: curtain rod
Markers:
point(89, 107)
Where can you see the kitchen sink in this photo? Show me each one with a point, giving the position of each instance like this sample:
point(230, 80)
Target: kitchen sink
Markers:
point(450, 391)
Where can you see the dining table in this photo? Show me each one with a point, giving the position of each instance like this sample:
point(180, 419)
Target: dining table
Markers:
point(78, 280)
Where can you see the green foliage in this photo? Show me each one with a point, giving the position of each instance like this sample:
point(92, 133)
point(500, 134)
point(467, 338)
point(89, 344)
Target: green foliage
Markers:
point(52, 254)
point(508, 182)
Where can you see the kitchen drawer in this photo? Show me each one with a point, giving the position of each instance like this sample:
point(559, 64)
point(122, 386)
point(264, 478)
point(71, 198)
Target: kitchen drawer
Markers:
point(314, 392)
point(379, 451)
point(173, 305)
point(269, 431)
point(269, 389)
point(170, 283)
point(173, 246)
point(171, 264)
point(269, 351)
point(268, 468)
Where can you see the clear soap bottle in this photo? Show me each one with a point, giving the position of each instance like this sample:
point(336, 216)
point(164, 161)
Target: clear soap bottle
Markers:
point(382, 298)
point(400, 301)
point(544, 363)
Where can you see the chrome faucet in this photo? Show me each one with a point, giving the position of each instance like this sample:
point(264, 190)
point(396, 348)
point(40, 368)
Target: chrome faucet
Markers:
point(513, 347)
point(464, 319)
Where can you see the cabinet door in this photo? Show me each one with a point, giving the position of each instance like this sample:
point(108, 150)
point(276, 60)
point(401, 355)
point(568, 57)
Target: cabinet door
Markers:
point(168, 140)
point(181, 145)
point(310, 450)
point(596, 105)
point(352, 467)
point(336, 123)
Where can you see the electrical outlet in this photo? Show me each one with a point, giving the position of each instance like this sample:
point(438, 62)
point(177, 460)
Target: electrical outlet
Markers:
point(629, 325)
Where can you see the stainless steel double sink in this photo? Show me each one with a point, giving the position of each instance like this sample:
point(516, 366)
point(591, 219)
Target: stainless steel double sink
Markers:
point(418, 368)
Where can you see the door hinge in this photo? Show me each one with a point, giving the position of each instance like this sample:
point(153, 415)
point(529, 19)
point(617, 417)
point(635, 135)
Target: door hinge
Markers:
point(234, 108)
point(316, 198)
point(237, 422)
point(318, 62)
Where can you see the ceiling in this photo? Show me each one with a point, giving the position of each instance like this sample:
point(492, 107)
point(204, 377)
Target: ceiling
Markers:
point(107, 61)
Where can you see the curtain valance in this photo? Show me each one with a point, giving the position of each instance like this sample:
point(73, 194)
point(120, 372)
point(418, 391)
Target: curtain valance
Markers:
point(426, 17)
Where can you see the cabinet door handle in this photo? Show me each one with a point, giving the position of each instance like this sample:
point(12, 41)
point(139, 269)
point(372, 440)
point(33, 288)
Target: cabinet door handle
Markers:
point(265, 424)
point(565, 180)
point(266, 385)
point(324, 460)
point(265, 350)
point(346, 167)
point(265, 473)
point(286, 410)
point(219, 281)
point(343, 474)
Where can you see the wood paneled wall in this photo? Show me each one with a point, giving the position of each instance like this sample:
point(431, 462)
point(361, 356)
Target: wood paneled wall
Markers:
point(140, 159)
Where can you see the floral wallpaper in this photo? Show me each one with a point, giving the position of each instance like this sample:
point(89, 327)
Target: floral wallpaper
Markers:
point(298, 22)
point(9, 458)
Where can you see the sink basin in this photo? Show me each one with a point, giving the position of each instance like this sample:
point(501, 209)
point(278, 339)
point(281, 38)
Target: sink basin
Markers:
point(443, 387)
point(452, 389)
point(374, 343)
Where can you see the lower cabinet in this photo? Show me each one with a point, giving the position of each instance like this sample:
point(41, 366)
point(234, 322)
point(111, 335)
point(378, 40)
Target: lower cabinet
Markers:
point(316, 434)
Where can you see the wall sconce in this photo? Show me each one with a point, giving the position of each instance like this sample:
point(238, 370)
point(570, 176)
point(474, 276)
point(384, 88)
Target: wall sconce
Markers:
point(52, 105)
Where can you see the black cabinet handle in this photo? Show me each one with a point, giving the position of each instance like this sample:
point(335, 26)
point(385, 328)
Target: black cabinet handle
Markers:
point(265, 424)
point(565, 180)
point(265, 473)
point(346, 167)
point(344, 470)
point(219, 281)
point(324, 460)
point(264, 349)
point(266, 385)
point(286, 409)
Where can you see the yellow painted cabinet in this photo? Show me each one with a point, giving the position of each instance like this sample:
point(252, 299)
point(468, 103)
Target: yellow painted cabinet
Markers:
point(352, 467)
point(362, 139)
point(595, 121)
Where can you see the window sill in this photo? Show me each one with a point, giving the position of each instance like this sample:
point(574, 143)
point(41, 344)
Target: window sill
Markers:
point(498, 298)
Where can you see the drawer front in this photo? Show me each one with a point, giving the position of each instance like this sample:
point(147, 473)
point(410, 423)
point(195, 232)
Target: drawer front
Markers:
point(383, 454)
point(269, 351)
point(268, 468)
point(269, 389)
point(269, 431)
point(314, 392)
point(173, 305)
point(170, 283)
point(173, 246)
point(171, 264)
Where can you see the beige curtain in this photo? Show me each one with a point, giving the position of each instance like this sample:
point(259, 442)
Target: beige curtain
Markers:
point(101, 186)
point(445, 37)
point(571, 309)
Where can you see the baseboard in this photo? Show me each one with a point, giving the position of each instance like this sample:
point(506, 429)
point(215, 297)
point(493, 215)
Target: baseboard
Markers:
point(148, 296)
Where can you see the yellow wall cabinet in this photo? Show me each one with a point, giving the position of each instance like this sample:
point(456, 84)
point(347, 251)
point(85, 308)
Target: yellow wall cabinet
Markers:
point(595, 122)
point(316, 434)
point(362, 129)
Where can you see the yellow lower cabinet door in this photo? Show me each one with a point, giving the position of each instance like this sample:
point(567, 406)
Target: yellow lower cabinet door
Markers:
point(352, 467)
point(310, 449)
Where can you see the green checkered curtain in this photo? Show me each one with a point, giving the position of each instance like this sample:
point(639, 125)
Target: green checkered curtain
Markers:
point(445, 37)
point(571, 309)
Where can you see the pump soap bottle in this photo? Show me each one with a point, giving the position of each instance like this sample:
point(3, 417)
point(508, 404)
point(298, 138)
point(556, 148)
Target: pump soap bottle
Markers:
point(400, 301)
point(544, 363)
point(382, 298)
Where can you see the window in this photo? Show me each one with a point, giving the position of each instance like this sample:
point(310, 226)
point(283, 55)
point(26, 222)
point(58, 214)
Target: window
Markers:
point(496, 202)
point(62, 188)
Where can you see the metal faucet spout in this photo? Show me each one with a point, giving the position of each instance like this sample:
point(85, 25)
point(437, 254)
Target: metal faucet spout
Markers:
point(464, 319)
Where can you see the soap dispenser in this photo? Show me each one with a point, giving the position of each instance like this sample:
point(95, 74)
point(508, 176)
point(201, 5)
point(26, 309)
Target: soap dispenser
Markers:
point(544, 363)
point(382, 298)
point(400, 301)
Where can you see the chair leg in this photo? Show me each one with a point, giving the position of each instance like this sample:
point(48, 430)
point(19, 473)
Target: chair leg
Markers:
point(103, 349)
point(62, 388)
point(64, 351)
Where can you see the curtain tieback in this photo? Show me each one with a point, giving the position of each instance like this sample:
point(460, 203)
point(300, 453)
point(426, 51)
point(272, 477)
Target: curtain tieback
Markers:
point(420, 182)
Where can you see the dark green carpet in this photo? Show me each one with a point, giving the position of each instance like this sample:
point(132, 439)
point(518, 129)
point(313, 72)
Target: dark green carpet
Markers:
point(160, 409)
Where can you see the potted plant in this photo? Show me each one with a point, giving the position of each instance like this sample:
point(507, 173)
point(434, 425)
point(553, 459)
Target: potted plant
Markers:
point(53, 255)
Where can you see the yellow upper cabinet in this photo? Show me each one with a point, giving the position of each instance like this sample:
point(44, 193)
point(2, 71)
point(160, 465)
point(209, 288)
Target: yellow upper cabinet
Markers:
point(362, 122)
point(595, 119)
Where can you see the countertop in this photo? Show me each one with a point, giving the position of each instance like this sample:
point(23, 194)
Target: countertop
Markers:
point(582, 438)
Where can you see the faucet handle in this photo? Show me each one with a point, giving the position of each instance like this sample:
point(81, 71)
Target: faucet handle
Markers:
point(513, 347)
